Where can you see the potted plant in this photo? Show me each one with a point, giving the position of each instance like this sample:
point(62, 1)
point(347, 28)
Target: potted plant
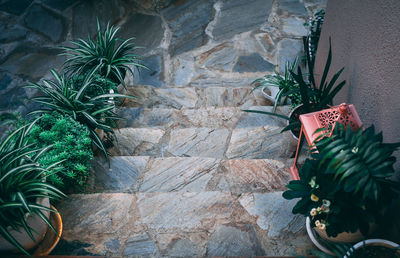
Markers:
point(111, 56)
point(95, 113)
point(314, 97)
point(372, 248)
point(345, 186)
point(24, 192)
point(281, 86)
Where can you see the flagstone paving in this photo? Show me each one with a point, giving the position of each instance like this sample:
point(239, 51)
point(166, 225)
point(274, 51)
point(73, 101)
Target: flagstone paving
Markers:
point(192, 175)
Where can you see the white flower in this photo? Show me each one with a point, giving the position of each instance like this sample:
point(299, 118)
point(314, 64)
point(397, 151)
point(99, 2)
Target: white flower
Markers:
point(326, 203)
point(317, 223)
point(354, 150)
point(313, 212)
point(321, 226)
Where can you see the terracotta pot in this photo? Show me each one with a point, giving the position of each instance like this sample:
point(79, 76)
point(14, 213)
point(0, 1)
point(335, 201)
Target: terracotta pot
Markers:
point(39, 231)
point(342, 237)
point(372, 242)
point(51, 238)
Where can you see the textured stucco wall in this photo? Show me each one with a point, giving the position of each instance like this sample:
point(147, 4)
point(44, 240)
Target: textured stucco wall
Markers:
point(366, 41)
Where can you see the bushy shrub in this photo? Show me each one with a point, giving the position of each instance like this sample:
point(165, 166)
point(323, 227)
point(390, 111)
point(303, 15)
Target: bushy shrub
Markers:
point(71, 142)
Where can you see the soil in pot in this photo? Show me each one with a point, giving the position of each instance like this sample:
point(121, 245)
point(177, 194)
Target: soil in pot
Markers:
point(371, 251)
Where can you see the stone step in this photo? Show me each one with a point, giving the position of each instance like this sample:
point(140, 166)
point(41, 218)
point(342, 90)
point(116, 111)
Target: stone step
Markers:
point(258, 142)
point(182, 224)
point(193, 97)
point(130, 174)
point(211, 117)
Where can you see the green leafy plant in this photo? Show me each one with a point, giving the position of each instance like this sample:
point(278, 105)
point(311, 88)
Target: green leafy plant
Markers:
point(314, 97)
point(286, 84)
point(71, 142)
point(22, 183)
point(345, 185)
point(96, 113)
point(98, 86)
point(107, 53)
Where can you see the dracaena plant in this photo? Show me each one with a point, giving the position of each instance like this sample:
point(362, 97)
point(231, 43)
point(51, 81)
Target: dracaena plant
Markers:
point(107, 53)
point(314, 97)
point(62, 95)
point(22, 183)
point(345, 185)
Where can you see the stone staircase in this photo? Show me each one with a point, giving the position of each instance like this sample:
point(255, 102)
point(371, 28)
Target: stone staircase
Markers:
point(191, 175)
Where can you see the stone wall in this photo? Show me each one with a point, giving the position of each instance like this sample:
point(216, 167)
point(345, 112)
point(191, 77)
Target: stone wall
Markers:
point(186, 42)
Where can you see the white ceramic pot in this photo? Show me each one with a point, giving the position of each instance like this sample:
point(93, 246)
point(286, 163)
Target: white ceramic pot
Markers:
point(270, 93)
point(373, 242)
point(39, 230)
point(313, 237)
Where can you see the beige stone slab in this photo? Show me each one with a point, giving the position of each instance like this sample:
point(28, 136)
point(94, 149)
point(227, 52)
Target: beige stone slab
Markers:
point(138, 141)
point(256, 175)
point(177, 97)
point(262, 142)
point(200, 142)
point(185, 212)
point(179, 174)
point(211, 117)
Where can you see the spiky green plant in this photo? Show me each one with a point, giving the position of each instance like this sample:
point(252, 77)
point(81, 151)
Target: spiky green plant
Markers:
point(22, 182)
point(94, 112)
point(112, 56)
point(346, 185)
point(286, 84)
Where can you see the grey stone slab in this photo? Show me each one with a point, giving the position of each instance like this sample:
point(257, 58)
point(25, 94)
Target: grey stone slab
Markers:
point(32, 63)
point(59, 4)
point(184, 72)
point(16, 7)
point(199, 142)
point(120, 175)
point(273, 212)
point(12, 34)
point(139, 244)
point(153, 75)
point(292, 6)
point(185, 212)
point(255, 142)
point(86, 12)
point(288, 50)
point(282, 233)
point(155, 117)
point(187, 23)
point(294, 26)
point(255, 175)
point(139, 141)
point(178, 174)
point(146, 29)
point(231, 241)
point(5, 81)
point(234, 17)
point(176, 97)
point(219, 58)
point(46, 23)
point(252, 63)
point(112, 245)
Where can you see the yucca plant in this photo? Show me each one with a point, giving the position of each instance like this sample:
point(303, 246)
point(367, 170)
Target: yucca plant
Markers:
point(345, 185)
point(107, 53)
point(22, 183)
point(286, 84)
point(94, 112)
